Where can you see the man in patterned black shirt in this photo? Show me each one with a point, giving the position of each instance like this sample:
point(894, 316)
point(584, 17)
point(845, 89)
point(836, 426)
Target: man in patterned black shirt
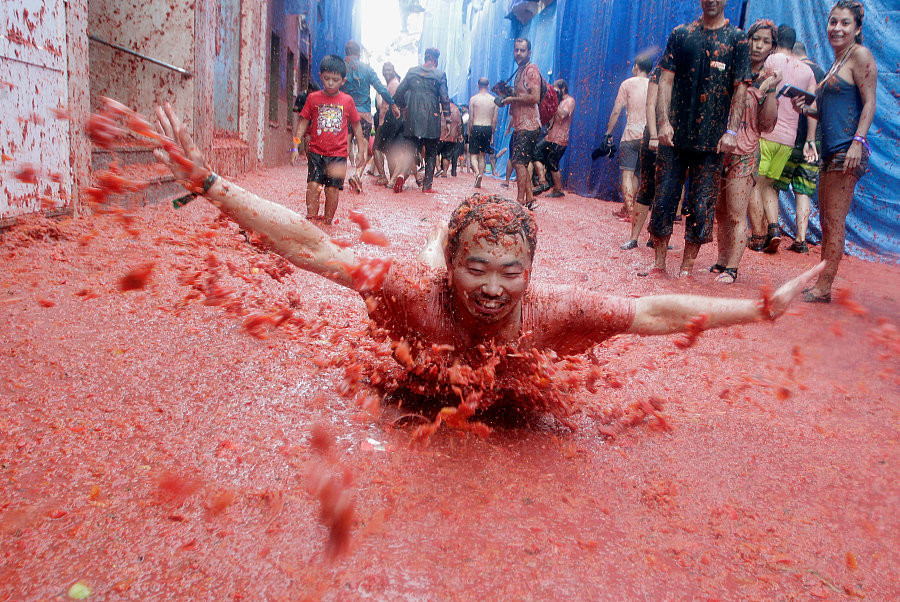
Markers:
point(705, 73)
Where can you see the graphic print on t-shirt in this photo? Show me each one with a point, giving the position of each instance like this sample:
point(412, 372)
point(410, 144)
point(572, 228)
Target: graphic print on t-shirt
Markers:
point(331, 118)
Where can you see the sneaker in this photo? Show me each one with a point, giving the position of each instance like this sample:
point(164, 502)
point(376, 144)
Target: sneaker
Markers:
point(799, 247)
point(540, 189)
point(770, 245)
point(631, 244)
point(478, 181)
point(429, 191)
point(558, 195)
point(398, 184)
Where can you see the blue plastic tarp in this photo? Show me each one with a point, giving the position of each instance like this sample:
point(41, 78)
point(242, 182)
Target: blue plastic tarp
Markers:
point(873, 225)
point(332, 23)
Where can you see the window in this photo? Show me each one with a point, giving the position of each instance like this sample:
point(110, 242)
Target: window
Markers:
point(274, 76)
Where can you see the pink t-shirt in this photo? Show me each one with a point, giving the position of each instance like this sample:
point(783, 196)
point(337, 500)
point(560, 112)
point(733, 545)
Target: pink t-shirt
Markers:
point(559, 133)
point(748, 132)
point(526, 117)
point(797, 73)
point(633, 94)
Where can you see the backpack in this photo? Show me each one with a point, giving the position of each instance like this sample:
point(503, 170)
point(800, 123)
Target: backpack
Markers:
point(548, 103)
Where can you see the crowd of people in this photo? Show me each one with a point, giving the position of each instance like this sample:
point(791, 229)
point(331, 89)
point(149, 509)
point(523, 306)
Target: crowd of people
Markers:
point(724, 121)
point(730, 119)
point(418, 132)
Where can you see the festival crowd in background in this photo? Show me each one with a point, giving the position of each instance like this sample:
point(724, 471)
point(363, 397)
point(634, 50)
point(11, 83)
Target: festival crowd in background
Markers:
point(724, 121)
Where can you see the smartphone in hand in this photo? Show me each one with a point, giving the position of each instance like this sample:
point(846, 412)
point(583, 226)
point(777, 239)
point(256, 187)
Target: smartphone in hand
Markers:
point(794, 92)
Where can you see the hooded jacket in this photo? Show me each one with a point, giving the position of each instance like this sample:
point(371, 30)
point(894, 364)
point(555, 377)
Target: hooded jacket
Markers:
point(423, 93)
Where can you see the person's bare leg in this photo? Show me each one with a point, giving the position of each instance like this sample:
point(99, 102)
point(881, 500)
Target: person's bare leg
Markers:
point(724, 227)
point(312, 200)
point(638, 217)
point(557, 181)
point(755, 210)
point(629, 188)
point(541, 172)
point(738, 193)
point(510, 168)
point(523, 184)
point(688, 258)
point(836, 195)
point(661, 249)
point(379, 166)
point(331, 203)
point(769, 200)
point(803, 210)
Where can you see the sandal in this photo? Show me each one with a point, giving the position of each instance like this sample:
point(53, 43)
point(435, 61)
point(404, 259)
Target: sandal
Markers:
point(810, 297)
point(799, 247)
point(717, 268)
point(756, 243)
point(727, 276)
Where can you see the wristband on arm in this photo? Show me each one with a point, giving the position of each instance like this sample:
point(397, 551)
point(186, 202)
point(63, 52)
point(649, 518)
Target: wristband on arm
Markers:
point(207, 184)
point(732, 132)
point(864, 142)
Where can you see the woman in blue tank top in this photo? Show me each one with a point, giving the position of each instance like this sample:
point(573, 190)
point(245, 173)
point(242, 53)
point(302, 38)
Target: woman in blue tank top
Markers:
point(845, 106)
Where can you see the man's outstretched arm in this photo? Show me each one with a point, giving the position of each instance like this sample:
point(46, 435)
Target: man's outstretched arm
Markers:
point(667, 314)
point(290, 234)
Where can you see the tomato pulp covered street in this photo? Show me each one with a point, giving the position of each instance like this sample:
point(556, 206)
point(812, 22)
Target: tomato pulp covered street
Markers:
point(186, 415)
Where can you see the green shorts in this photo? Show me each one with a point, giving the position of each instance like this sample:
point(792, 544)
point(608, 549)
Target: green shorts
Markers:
point(799, 174)
point(772, 158)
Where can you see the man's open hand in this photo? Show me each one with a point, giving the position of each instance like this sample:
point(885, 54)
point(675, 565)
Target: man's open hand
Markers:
point(788, 291)
point(180, 154)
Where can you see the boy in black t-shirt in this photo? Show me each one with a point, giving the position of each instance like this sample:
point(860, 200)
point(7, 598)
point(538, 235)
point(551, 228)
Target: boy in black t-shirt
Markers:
point(705, 73)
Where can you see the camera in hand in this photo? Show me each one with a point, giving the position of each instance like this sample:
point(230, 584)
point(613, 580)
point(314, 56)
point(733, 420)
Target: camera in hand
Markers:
point(502, 90)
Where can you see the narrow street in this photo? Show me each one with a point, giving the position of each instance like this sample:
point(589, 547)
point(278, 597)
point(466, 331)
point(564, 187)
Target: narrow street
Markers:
point(156, 443)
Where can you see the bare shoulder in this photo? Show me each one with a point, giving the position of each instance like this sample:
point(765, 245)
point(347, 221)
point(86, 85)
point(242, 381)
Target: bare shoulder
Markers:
point(863, 57)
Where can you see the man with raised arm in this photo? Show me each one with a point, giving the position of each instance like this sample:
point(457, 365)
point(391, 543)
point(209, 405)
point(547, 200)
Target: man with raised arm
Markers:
point(705, 73)
point(469, 292)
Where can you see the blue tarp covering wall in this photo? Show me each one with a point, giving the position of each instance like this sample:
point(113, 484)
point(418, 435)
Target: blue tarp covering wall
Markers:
point(332, 23)
point(590, 45)
point(873, 226)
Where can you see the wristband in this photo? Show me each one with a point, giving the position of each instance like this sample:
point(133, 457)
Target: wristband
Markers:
point(732, 132)
point(864, 142)
point(209, 181)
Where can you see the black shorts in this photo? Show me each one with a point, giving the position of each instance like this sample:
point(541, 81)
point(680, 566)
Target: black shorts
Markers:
point(480, 139)
point(388, 132)
point(523, 145)
point(704, 169)
point(647, 165)
point(549, 153)
point(327, 171)
point(448, 150)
